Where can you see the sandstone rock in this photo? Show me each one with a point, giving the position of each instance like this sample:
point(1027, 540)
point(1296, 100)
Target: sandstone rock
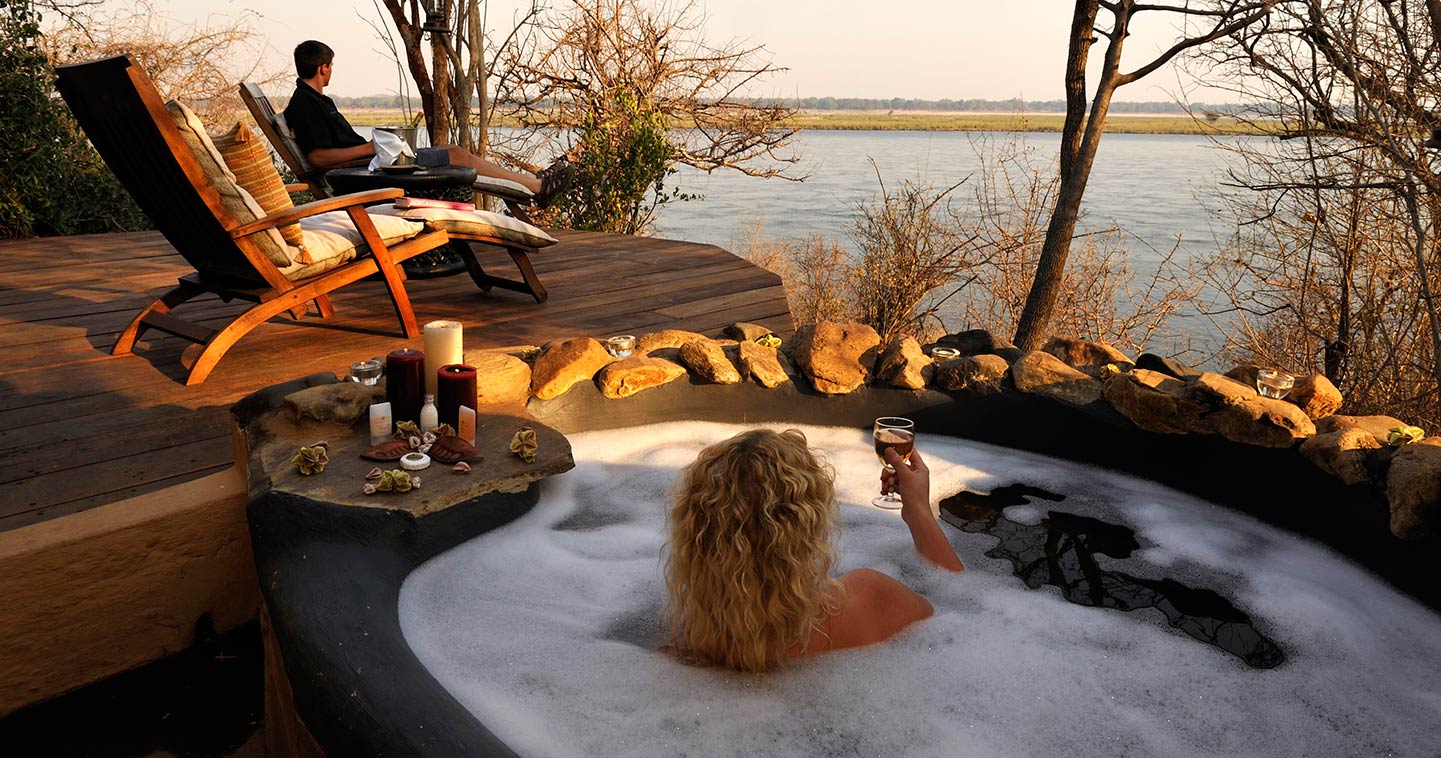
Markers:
point(1166, 366)
point(707, 360)
point(563, 364)
point(343, 402)
point(1413, 487)
point(762, 364)
point(664, 338)
point(1377, 426)
point(1245, 374)
point(972, 372)
point(1262, 421)
point(1216, 390)
point(903, 364)
point(1084, 355)
point(501, 379)
point(1342, 454)
point(627, 377)
point(835, 357)
point(974, 342)
point(1041, 373)
point(1155, 402)
point(1315, 395)
point(745, 332)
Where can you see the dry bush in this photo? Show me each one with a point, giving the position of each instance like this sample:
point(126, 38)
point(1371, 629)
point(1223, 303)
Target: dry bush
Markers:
point(199, 63)
point(915, 255)
point(1100, 298)
point(816, 271)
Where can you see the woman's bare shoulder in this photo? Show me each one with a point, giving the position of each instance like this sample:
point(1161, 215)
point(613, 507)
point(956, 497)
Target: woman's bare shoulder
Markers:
point(875, 607)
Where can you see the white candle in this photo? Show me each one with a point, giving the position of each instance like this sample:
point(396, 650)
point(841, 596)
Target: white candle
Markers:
point(380, 423)
point(442, 348)
point(466, 424)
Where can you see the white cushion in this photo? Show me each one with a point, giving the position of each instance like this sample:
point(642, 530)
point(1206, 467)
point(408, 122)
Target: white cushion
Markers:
point(472, 223)
point(241, 204)
point(332, 239)
point(503, 188)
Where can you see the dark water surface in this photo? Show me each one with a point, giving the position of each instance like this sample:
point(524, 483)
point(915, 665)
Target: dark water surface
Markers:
point(1061, 552)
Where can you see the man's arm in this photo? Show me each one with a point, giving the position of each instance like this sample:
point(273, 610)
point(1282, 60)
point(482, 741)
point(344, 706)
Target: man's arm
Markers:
point(330, 157)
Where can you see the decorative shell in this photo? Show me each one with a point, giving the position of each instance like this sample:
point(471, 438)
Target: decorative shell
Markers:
point(444, 430)
point(461, 468)
point(1404, 435)
point(312, 459)
point(1109, 370)
point(387, 451)
point(454, 450)
point(369, 489)
point(524, 444)
point(374, 473)
point(770, 340)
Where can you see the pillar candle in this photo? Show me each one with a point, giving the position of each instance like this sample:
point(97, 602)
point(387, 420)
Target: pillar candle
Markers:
point(457, 387)
point(405, 382)
point(442, 345)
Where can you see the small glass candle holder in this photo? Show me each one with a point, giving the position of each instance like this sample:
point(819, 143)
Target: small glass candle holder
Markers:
point(944, 354)
point(1274, 383)
point(365, 372)
point(620, 346)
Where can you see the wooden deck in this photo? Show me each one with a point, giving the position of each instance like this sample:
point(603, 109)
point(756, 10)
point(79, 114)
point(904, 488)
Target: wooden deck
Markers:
point(80, 428)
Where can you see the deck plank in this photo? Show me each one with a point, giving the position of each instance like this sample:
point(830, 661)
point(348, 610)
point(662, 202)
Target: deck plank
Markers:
point(80, 428)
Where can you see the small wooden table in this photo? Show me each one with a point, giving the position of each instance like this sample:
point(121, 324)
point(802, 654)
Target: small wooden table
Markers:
point(436, 182)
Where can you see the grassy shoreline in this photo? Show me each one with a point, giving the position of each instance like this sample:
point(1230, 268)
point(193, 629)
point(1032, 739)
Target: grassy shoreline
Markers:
point(943, 122)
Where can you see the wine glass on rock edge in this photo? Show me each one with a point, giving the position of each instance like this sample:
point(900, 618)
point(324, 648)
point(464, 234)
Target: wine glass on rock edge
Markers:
point(899, 434)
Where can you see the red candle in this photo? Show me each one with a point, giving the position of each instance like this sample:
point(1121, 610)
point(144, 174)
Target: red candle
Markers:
point(455, 386)
point(405, 383)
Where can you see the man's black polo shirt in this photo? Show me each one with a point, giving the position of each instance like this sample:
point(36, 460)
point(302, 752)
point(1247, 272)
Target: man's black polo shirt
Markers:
point(316, 121)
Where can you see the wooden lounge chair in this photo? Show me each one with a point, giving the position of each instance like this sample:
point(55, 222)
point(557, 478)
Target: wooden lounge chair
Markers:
point(272, 125)
point(121, 112)
point(519, 245)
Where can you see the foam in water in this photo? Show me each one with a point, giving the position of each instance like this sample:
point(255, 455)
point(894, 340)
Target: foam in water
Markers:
point(547, 630)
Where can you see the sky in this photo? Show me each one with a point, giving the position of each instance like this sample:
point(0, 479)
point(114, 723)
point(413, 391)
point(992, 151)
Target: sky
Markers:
point(928, 49)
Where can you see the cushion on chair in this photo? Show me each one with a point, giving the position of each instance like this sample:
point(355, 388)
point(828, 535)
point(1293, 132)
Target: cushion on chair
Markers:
point(332, 239)
point(249, 159)
point(503, 188)
point(472, 223)
point(240, 204)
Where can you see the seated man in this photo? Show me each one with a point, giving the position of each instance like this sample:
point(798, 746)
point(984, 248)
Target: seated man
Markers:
point(327, 139)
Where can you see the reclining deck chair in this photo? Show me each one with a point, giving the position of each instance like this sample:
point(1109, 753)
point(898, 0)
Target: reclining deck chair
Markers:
point(121, 112)
point(519, 240)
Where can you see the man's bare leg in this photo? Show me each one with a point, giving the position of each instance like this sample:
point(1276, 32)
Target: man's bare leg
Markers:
point(461, 157)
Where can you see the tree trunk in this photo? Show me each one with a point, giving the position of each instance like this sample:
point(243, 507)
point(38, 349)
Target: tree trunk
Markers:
point(438, 120)
point(1078, 154)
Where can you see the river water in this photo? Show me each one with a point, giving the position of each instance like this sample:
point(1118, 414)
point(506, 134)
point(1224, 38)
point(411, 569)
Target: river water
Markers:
point(1155, 188)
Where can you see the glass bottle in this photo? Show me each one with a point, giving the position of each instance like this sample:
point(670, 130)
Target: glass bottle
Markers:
point(429, 416)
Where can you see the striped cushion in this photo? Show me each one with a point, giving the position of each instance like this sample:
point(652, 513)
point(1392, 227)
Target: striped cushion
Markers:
point(249, 160)
point(237, 203)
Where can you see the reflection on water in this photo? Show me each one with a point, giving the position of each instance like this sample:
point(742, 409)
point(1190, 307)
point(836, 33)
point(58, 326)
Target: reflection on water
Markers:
point(1061, 552)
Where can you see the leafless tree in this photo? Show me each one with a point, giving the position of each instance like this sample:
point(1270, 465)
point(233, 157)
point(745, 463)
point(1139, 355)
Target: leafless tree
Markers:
point(577, 57)
point(1337, 258)
point(198, 63)
point(452, 72)
point(1200, 22)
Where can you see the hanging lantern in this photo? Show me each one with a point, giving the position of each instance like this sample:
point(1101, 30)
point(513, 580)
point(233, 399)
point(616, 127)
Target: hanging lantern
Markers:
point(436, 19)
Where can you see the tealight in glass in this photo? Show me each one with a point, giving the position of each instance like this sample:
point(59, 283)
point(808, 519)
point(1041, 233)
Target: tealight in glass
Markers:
point(365, 372)
point(620, 346)
point(1274, 383)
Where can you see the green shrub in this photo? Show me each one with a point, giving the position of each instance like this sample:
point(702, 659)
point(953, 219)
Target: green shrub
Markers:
point(51, 179)
point(622, 161)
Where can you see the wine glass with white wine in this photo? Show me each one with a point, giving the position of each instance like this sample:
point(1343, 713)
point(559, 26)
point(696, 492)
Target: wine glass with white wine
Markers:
point(898, 434)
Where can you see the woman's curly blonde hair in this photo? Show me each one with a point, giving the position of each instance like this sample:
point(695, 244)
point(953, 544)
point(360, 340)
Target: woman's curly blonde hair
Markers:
point(750, 551)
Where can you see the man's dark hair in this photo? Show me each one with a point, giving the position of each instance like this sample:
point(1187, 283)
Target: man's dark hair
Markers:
point(310, 56)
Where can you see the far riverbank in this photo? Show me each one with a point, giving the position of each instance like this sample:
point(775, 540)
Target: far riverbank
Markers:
point(939, 121)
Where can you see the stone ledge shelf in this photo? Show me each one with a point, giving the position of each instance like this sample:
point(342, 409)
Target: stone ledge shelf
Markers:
point(280, 419)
